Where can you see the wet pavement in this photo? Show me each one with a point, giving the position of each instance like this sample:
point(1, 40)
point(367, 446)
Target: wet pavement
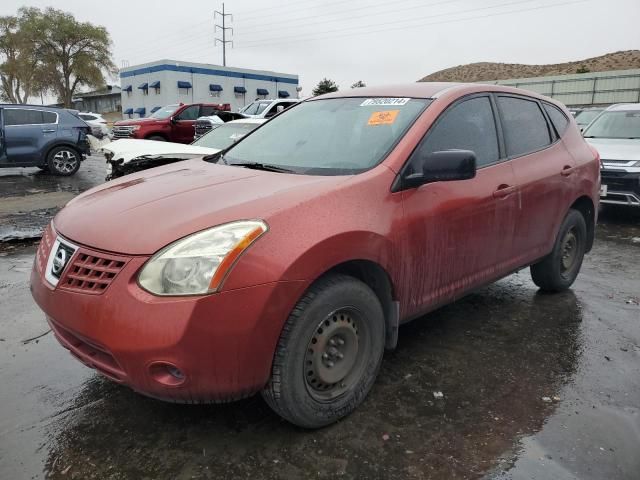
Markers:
point(533, 386)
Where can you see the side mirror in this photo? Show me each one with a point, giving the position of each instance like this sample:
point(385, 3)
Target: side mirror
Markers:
point(444, 166)
point(173, 120)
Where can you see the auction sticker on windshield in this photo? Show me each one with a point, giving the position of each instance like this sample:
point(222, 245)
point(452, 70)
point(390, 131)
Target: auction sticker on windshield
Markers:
point(386, 117)
point(392, 102)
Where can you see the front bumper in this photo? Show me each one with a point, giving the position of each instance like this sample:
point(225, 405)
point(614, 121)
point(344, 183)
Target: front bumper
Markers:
point(620, 188)
point(222, 344)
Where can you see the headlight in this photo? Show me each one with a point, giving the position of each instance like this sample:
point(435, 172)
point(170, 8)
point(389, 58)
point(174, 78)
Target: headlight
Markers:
point(197, 264)
point(135, 127)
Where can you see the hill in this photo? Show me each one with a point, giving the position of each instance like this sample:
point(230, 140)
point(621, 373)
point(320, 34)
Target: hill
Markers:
point(477, 72)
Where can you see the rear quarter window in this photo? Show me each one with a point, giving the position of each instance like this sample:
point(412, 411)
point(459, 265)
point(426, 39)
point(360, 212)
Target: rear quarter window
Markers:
point(559, 120)
point(525, 128)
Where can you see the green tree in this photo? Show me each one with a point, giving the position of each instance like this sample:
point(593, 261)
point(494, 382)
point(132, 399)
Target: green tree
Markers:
point(73, 54)
point(359, 84)
point(583, 69)
point(21, 71)
point(324, 86)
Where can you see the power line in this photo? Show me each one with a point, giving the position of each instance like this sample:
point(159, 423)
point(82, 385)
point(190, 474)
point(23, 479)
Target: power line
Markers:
point(541, 7)
point(224, 29)
point(286, 38)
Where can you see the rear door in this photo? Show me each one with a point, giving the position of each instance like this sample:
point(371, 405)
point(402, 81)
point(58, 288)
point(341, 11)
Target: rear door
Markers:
point(459, 233)
point(185, 121)
point(27, 132)
point(543, 168)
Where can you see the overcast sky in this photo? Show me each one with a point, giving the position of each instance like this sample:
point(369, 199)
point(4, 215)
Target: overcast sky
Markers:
point(372, 40)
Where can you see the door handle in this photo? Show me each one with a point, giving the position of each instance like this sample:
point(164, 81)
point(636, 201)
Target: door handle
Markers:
point(567, 170)
point(503, 191)
point(48, 130)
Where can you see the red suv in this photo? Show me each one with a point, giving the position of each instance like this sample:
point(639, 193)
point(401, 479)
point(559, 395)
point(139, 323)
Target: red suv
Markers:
point(285, 264)
point(173, 123)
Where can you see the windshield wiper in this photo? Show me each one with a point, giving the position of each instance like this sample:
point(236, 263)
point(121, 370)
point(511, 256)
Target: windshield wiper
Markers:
point(263, 166)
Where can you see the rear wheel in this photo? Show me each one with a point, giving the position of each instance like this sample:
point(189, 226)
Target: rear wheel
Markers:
point(558, 270)
point(329, 353)
point(63, 161)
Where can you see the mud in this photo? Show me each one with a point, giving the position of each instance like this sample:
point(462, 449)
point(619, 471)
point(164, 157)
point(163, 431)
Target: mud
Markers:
point(534, 386)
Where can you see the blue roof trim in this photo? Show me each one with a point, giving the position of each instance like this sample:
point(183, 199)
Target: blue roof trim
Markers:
point(239, 90)
point(207, 71)
point(140, 111)
point(155, 84)
point(128, 111)
point(262, 91)
point(215, 88)
point(143, 86)
point(183, 84)
point(155, 109)
point(283, 94)
point(128, 88)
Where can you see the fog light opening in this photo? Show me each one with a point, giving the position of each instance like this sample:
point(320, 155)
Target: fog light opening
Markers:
point(167, 374)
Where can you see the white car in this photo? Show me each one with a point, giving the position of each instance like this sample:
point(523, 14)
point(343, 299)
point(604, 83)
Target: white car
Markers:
point(132, 155)
point(615, 133)
point(98, 124)
point(267, 108)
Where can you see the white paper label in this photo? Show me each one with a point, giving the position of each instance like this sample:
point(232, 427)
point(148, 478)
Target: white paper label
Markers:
point(378, 102)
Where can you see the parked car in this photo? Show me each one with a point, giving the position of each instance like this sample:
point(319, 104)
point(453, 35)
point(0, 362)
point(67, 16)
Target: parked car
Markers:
point(615, 133)
point(98, 124)
point(285, 263)
point(49, 138)
point(267, 108)
point(585, 116)
point(205, 124)
point(129, 156)
point(173, 123)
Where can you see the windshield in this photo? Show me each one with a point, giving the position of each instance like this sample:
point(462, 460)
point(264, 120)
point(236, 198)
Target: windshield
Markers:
point(584, 117)
point(164, 112)
point(225, 135)
point(620, 124)
point(255, 108)
point(335, 136)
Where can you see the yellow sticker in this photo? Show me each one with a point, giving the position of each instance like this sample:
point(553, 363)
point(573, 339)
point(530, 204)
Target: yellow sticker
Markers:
point(386, 117)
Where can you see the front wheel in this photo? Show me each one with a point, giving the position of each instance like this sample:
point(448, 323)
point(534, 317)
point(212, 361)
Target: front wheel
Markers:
point(329, 353)
point(63, 161)
point(558, 270)
point(157, 138)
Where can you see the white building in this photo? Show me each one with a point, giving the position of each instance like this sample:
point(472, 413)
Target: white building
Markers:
point(149, 86)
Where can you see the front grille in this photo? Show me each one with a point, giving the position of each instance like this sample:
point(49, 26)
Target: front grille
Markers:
point(621, 181)
point(616, 162)
point(44, 248)
point(122, 132)
point(91, 272)
point(202, 128)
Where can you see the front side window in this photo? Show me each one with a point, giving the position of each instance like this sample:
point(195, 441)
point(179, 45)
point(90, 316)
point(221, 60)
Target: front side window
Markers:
point(164, 112)
point(524, 126)
point(336, 136)
point(225, 135)
point(189, 113)
point(207, 111)
point(620, 124)
point(20, 116)
point(468, 125)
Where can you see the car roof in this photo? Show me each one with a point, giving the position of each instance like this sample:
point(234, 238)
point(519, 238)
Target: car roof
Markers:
point(29, 105)
point(624, 107)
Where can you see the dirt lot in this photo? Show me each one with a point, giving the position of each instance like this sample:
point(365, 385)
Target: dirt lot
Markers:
point(534, 386)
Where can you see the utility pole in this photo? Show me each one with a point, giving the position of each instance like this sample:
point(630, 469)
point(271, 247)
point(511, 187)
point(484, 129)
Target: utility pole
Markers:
point(224, 29)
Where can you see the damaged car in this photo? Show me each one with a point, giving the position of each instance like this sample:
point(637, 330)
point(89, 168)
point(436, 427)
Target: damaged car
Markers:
point(285, 263)
point(130, 155)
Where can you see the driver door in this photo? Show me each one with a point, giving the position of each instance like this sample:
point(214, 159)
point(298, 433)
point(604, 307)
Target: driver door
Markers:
point(184, 124)
point(458, 233)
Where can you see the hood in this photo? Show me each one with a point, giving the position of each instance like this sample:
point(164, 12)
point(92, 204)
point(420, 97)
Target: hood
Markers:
point(128, 149)
point(616, 148)
point(143, 212)
point(140, 121)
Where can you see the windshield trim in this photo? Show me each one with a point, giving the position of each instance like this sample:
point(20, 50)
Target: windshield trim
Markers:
point(319, 171)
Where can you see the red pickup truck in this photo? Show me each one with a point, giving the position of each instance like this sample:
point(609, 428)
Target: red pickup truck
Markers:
point(173, 123)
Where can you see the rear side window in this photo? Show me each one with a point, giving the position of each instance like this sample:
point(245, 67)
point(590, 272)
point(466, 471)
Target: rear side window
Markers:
point(525, 128)
point(558, 118)
point(468, 125)
point(21, 116)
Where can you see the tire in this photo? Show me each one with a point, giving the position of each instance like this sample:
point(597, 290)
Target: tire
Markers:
point(558, 270)
point(157, 138)
point(329, 353)
point(63, 161)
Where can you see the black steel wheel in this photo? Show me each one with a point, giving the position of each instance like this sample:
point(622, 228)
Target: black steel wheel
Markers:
point(329, 353)
point(558, 270)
